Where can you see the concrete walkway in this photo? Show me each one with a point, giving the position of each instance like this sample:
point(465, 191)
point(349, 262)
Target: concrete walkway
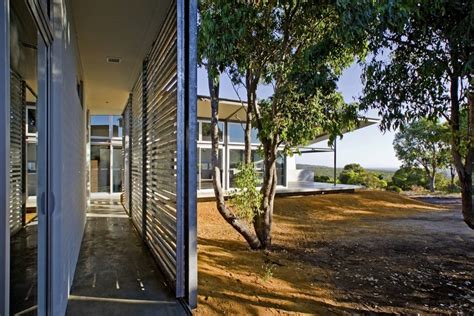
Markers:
point(116, 274)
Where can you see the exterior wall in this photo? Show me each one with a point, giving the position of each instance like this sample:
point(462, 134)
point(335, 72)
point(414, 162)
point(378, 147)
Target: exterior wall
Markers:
point(297, 175)
point(228, 166)
point(68, 146)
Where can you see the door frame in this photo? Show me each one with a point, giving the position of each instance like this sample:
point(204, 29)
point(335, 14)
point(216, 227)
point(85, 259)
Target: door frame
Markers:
point(5, 157)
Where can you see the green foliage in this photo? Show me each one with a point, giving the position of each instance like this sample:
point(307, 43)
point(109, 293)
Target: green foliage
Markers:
point(323, 178)
point(268, 271)
point(418, 49)
point(246, 198)
point(394, 188)
point(406, 178)
point(356, 174)
point(423, 143)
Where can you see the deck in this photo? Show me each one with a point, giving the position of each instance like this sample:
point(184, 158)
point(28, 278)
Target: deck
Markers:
point(295, 189)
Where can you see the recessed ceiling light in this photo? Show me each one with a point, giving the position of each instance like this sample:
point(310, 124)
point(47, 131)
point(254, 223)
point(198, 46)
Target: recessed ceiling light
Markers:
point(114, 60)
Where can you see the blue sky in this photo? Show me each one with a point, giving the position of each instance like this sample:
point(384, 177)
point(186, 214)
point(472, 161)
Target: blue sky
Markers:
point(368, 146)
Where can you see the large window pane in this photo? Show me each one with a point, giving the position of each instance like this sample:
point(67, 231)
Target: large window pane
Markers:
point(237, 133)
point(31, 121)
point(280, 167)
point(117, 126)
point(206, 131)
point(100, 168)
point(31, 168)
point(236, 157)
point(205, 168)
point(117, 166)
point(100, 125)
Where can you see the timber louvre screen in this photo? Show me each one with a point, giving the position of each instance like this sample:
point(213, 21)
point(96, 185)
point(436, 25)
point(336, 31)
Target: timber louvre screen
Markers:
point(16, 152)
point(136, 155)
point(126, 126)
point(164, 149)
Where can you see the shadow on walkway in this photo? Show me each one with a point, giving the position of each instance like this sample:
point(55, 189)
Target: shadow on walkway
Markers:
point(116, 274)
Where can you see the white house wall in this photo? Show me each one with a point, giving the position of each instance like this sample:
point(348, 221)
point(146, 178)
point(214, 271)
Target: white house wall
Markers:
point(68, 158)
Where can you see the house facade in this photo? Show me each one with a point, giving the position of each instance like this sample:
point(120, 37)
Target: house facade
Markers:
point(63, 62)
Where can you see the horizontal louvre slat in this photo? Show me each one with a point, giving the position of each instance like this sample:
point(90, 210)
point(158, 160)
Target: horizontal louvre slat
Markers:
point(137, 154)
point(16, 152)
point(161, 148)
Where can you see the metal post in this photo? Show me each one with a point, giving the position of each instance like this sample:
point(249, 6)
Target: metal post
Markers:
point(335, 161)
point(4, 156)
point(191, 153)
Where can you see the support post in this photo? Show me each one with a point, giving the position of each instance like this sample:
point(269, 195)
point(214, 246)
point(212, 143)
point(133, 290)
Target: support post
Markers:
point(4, 156)
point(191, 153)
point(335, 161)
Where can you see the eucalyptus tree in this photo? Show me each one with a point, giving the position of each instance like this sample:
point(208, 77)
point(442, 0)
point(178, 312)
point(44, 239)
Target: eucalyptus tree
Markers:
point(219, 30)
point(300, 49)
point(422, 67)
point(423, 144)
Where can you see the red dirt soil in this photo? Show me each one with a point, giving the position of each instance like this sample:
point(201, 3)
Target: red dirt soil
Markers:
point(364, 252)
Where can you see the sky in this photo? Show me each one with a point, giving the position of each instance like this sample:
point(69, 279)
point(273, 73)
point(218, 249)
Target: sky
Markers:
point(368, 146)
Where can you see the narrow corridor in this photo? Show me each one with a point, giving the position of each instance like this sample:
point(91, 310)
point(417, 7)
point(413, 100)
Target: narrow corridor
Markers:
point(116, 274)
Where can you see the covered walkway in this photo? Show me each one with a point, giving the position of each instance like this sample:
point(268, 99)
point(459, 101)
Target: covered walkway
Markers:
point(116, 274)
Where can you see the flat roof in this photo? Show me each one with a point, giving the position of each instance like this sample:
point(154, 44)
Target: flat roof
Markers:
point(235, 110)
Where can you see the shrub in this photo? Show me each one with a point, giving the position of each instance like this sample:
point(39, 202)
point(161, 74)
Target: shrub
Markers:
point(355, 174)
point(394, 188)
point(407, 178)
point(322, 179)
point(246, 198)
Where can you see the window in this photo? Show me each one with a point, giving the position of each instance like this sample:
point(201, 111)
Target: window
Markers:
point(117, 168)
point(31, 121)
point(117, 126)
point(237, 133)
point(205, 168)
point(236, 157)
point(100, 126)
point(206, 131)
point(100, 168)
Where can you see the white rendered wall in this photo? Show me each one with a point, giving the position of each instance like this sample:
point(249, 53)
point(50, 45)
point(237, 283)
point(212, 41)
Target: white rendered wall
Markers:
point(297, 175)
point(68, 158)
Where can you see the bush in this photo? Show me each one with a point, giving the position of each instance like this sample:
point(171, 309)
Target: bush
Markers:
point(408, 178)
point(394, 188)
point(324, 179)
point(355, 174)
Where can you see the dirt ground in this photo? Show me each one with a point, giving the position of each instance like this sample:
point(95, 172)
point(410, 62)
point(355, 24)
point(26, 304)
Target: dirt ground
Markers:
point(365, 253)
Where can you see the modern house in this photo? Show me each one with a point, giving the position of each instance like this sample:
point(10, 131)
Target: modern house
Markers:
point(61, 62)
point(100, 97)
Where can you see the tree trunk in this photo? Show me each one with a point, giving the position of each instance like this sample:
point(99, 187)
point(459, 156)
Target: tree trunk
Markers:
point(432, 183)
point(263, 220)
point(452, 172)
point(226, 213)
point(467, 205)
point(466, 197)
point(464, 169)
point(249, 117)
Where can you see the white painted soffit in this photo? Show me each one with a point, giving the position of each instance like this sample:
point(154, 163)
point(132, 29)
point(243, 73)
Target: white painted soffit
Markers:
point(235, 110)
point(121, 29)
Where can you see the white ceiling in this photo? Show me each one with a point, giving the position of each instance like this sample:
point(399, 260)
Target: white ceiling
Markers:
point(114, 28)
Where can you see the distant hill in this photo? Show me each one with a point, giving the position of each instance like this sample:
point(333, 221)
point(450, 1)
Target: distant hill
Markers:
point(328, 171)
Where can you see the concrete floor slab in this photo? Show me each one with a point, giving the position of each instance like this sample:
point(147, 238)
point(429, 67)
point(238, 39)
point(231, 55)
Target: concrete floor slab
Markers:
point(116, 274)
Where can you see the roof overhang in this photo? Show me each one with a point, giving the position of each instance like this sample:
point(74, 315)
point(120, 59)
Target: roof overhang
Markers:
point(120, 29)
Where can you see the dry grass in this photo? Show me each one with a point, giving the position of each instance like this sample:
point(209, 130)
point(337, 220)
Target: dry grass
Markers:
point(236, 280)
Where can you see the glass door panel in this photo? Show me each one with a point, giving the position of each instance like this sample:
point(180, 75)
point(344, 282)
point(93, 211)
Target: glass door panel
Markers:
point(100, 168)
point(117, 168)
